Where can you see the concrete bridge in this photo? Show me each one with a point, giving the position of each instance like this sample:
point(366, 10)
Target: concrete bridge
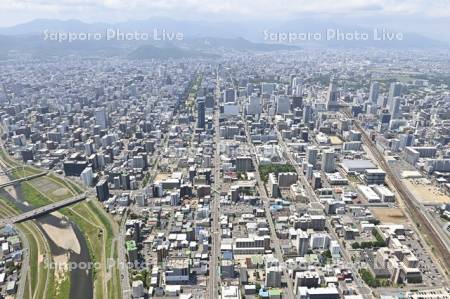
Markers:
point(42, 210)
point(27, 178)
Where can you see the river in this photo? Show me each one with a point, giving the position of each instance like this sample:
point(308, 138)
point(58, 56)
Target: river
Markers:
point(81, 280)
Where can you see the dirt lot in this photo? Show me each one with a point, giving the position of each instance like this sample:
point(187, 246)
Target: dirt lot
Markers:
point(425, 192)
point(389, 215)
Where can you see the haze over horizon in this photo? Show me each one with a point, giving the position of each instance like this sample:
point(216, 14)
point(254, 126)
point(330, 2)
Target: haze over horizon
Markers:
point(419, 16)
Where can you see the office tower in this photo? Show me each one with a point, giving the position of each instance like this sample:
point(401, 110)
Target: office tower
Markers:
point(283, 105)
point(200, 114)
point(406, 140)
point(385, 117)
point(229, 95)
point(87, 176)
point(374, 91)
point(101, 118)
point(297, 102)
point(382, 101)
point(328, 158)
point(254, 106)
point(307, 113)
point(395, 90)
point(394, 107)
point(297, 87)
point(311, 155)
point(302, 242)
point(209, 101)
point(332, 97)
point(102, 190)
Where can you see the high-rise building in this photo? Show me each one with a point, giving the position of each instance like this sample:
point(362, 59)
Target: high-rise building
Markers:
point(101, 118)
point(302, 242)
point(381, 102)
point(254, 105)
point(229, 95)
point(394, 107)
point(201, 114)
point(328, 164)
point(385, 117)
point(87, 176)
point(297, 87)
point(332, 97)
point(395, 90)
point(374, 92)
point(307, 113)
point(283, 104)
point(311, 155)
point(297, 102)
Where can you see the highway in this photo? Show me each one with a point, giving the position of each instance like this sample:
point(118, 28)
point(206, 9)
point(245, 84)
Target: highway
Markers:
point(413, 209)
point(42, 210)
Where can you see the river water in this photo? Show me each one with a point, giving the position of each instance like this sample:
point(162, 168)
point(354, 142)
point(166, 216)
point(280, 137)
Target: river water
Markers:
point(81, 280)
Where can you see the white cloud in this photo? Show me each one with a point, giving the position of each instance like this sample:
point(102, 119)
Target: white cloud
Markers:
point(111, 10)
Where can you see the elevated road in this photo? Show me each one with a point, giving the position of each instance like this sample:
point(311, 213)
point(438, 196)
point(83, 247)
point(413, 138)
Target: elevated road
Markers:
point(42, 210)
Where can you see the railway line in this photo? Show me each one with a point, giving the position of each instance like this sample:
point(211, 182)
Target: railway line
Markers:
point(414, 210)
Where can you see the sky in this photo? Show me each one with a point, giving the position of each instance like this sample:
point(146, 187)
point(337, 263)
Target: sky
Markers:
point(430, 17)
point(18, 11)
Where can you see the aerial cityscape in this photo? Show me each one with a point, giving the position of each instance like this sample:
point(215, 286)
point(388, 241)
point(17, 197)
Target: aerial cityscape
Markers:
point(163, 157)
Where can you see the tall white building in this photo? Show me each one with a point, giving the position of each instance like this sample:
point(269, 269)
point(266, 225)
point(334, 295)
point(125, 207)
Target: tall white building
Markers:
point(394, 106)
point(395, 90)
point(87, 176)
point(374, 92)
point(101, 118)
point(297, 86)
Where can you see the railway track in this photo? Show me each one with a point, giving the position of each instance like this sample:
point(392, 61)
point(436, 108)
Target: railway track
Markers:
point(413, 209)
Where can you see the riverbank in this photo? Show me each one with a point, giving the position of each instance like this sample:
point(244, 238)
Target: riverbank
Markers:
point(93, 223)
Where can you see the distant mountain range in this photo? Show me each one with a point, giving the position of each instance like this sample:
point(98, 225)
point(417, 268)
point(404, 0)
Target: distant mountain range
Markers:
point(202, 38)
